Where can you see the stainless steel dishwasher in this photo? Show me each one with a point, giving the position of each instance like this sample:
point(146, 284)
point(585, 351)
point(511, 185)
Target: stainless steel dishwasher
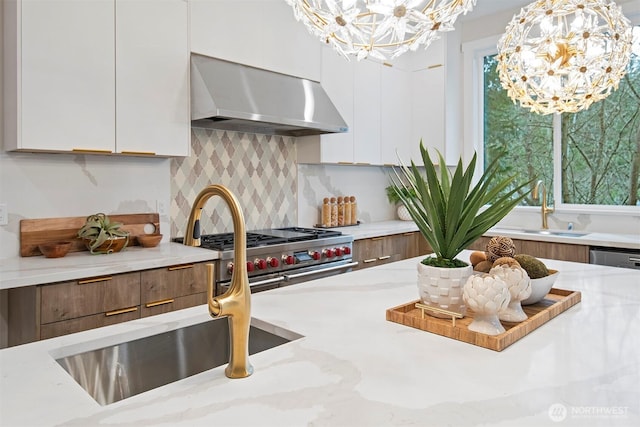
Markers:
point(627, 258)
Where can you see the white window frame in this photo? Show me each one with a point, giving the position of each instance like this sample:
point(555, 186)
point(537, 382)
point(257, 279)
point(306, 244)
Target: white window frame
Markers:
point(473, 72)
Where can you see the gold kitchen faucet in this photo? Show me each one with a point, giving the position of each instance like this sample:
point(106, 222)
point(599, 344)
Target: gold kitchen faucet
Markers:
point(236, 301)
point(544, 209)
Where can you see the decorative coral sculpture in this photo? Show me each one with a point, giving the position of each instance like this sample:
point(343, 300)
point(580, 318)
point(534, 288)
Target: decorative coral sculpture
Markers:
point(519, 286)
point(486, 295)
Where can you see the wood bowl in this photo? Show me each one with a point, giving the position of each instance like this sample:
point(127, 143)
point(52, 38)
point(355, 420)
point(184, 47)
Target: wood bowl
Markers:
point(149, 240)
point(110, 246)
point(54, 249)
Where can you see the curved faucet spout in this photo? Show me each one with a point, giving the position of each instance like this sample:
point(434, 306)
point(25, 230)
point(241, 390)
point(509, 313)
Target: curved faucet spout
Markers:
point(236, 301)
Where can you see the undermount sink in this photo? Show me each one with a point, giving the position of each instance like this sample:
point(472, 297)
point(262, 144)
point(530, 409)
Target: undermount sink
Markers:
point(540, 232)
point(123, 370)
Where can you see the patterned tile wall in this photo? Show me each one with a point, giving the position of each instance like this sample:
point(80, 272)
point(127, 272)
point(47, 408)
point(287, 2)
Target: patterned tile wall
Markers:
point(260, 170)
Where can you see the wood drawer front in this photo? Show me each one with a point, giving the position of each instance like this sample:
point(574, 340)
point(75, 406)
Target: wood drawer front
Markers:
point(171, 304)
point(78, 298)
point(79, 324)
point(173, 282)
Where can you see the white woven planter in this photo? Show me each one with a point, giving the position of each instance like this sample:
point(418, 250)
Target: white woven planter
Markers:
point(442, 287)
point(403, 213)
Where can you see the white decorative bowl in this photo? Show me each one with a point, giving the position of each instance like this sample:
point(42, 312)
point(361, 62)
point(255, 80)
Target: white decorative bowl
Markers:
point(541, 287)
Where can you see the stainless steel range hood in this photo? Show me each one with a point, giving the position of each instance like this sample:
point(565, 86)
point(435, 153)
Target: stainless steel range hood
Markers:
point(230, 96)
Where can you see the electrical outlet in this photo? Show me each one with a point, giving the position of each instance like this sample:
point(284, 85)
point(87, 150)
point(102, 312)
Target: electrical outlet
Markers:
point(4, 214)
point(161, 208)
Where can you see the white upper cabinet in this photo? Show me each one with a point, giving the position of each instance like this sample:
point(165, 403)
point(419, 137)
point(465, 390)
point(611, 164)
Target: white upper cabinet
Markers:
point(60, 75)
point(261, 34)
point(388, 107)
point(366, 113)
point(99, 76)
point(152, 77)
point(395, 116)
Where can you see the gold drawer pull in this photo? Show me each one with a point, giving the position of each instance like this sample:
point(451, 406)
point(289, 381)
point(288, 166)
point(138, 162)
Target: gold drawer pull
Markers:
point(431, 67)
point(367, 261)
point(139, 153)
point(410, 233)
point(373, 239)
point(180, 267)
point(161, 302)
point(95, 279)
point(121, 311)
point(384, 257)
point(91, 151)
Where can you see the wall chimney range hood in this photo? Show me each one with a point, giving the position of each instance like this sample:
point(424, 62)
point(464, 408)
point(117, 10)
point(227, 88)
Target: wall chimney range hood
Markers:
point(230, 96)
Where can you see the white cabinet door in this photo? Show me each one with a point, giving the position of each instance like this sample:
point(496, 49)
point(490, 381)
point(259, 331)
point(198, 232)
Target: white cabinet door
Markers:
point(152, 78)
point(65, 75)
point(395, 116)
point(261, 34)
point(366, 117)
point(429, 110)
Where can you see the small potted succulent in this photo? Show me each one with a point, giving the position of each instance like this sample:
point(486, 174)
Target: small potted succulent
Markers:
point(394, 199)
point(102, 236)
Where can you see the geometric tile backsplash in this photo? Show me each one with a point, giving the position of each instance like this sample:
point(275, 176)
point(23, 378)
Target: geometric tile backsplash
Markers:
point(260, 170)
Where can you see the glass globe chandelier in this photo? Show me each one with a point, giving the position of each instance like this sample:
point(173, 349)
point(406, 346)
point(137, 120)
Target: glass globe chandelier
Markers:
point(378, 28)
point(561, 56)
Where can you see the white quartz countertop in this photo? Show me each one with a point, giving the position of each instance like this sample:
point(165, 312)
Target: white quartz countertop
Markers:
point(625, 241)
point(354, 368)
point(27, 271)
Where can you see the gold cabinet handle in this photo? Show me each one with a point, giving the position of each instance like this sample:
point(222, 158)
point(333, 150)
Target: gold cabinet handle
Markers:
point(161, 302)
point(94, 279)
point(138, 153)
point(367, 261)
point(91, 151)
point(410, 233)
point(179, 267)
point(121, 311)
point(373, 239)
point(381, 258)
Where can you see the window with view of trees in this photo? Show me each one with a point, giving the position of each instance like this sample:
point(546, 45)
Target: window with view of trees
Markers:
point(600, 146)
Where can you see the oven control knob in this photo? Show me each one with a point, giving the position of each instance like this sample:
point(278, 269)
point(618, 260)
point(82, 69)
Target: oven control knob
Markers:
point(250, 266)
point(261, 264)
point(338, 251)
point(273, 262)
point(288, 259)
point(230, 268)
point(315, 255)
point(346, 250)
point(328, 253)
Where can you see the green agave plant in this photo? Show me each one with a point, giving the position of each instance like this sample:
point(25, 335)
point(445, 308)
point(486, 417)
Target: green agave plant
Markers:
point(98, 229)
point(449, 212)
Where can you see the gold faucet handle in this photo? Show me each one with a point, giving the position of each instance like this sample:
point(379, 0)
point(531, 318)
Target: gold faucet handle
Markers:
point(214, 306)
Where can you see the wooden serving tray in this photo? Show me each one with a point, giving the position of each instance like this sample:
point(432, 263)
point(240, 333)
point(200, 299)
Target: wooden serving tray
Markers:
point(554, 303)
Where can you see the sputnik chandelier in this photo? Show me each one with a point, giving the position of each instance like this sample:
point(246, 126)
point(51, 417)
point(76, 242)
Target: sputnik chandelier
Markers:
point(381, 29)
point(561, 56)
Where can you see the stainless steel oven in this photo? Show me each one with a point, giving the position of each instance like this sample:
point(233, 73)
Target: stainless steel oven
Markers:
point(283, 256)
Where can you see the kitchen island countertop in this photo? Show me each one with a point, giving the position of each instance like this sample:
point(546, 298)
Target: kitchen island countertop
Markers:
point(354, 368)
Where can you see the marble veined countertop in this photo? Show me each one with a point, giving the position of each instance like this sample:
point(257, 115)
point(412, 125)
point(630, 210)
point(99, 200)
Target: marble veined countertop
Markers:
point(354, 368)
point(27, 271)
point(385, 228)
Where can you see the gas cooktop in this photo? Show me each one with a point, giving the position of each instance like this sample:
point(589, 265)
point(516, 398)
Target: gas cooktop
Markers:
point(265, 237)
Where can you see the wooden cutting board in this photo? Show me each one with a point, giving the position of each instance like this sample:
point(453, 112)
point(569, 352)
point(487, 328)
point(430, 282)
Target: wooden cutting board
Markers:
point(49, 230)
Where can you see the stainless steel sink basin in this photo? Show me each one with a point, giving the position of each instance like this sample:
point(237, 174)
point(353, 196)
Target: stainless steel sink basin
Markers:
point(114, 373)
point(540, 232)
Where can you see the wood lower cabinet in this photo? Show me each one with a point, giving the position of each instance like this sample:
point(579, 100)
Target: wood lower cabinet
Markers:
point(173, 288)
point(47, 311)
point(384, 249)
point(539, 249)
